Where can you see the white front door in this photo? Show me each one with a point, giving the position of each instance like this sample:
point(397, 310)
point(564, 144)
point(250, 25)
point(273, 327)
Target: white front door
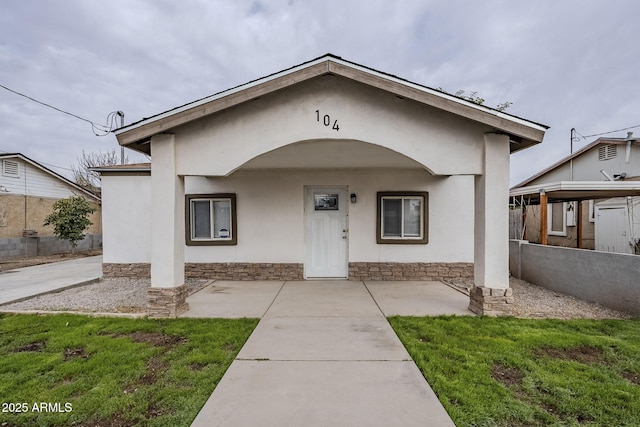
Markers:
point(326, 232)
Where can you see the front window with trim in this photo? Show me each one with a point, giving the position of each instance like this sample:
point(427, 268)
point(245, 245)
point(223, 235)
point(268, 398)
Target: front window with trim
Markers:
point(211, 219)
point(402, 217)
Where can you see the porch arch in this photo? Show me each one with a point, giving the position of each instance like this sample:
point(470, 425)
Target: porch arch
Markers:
point(333, 153)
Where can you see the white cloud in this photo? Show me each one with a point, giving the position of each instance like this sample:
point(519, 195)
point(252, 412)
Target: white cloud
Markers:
point(566, 64)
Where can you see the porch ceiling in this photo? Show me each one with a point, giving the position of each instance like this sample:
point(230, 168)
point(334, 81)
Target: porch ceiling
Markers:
point(332, 154)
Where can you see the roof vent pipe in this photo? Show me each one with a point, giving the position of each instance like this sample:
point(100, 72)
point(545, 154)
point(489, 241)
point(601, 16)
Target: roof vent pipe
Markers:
point(629, 140)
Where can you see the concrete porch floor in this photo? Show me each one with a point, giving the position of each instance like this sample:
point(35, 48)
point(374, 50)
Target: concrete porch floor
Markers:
point(324, 354)
point(237, 299)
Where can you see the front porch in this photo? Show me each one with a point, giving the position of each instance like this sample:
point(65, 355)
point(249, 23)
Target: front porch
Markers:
point(325, 170)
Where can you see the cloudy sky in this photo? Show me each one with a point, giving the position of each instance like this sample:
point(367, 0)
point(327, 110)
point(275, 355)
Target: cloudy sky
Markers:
point(570, 63)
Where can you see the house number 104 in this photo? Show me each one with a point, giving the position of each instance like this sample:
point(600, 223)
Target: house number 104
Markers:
point(326, 120)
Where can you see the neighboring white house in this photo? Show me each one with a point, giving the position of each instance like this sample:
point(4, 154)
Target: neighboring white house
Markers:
point(592, 218)
point(325, 170)
point(28, 191)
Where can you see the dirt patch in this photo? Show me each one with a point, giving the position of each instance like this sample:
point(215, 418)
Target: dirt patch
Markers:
point(507, 375)
point(155, 367)
point(197, 366)
point(155, 411)
point(37, 260)
point(632, 377)
point(156, 339)
point(583, 354)
point(34, 346)
point(75, 353)
point(229, 347)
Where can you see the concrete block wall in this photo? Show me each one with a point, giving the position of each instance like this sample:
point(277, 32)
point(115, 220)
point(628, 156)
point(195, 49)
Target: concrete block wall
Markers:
point(18, 213)
point(607, 278)
point(20, 247)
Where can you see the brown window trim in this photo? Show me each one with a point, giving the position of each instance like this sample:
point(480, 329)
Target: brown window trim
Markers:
point(425, 219)
point(234, 227)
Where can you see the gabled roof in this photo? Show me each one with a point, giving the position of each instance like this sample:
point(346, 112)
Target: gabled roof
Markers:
point(597, 142)
point(50, 172)
point(523, 133)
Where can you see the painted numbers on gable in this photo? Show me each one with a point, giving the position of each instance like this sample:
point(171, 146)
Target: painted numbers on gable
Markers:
point(326, 120)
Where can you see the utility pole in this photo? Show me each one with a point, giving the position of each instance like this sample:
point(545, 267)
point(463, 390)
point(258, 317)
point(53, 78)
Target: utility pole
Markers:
point(571, 149)
point(121, 114)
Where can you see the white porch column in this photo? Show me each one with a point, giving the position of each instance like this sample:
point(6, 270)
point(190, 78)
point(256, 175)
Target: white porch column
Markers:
point(167, 295)
point(491, 294)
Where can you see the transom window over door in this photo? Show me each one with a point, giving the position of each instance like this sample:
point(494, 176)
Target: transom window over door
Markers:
point(402, 217)
point(211, 219)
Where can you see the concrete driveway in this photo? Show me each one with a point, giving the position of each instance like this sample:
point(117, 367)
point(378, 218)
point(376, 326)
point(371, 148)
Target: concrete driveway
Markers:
point(324, 354)
point(27, 282)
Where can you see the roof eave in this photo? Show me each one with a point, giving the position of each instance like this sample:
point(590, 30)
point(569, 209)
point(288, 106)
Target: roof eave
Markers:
point(577, 190)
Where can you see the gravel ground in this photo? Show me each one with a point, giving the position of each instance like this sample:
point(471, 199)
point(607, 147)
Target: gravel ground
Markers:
point(106, 296)
point(534, 302)
point(129, 296)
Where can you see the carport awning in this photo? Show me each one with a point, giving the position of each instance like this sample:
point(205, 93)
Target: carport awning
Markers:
point(563, 191)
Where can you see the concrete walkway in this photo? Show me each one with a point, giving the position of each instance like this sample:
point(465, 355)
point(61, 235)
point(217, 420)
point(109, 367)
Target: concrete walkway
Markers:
point(27, 282)
point(323, 354)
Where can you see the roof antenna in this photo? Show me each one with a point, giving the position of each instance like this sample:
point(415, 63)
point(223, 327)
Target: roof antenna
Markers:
point(606, 175)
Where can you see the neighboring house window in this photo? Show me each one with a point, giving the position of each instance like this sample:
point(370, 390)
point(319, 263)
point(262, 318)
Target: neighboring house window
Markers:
point(211, 219)
point(10, 168)
point(607, 152)
point(402, 217)
point(557, 225)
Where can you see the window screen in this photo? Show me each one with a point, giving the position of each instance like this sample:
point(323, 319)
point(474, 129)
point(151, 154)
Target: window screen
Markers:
point(211, 219)
point(402, 217)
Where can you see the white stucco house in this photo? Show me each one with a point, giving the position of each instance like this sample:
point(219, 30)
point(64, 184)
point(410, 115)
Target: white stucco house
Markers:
point(325, 170)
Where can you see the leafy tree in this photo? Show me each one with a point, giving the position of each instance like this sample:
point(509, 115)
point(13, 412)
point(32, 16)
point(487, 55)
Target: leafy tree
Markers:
point(70, 217)
point(88, 179)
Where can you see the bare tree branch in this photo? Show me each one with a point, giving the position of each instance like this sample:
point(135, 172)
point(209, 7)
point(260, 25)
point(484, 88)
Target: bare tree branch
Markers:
point(88, 179)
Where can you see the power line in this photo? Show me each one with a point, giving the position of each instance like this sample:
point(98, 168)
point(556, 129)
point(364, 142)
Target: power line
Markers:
point(105, 130)
point(43, 163)
point(605, 133)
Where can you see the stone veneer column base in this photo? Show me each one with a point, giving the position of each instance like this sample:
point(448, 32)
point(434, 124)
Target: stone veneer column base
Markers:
point(409, 271)
point(133, 270)
point(490, 301)
point(167, 302)
point(244, 271)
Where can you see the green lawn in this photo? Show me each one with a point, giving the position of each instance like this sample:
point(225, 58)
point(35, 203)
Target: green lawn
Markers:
point(105, 371)
point(515, 372)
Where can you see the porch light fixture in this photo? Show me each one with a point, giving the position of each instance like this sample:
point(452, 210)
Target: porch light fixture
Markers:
point(354, 198)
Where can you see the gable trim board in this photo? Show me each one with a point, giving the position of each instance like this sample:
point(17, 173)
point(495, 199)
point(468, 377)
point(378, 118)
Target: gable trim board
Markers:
point(269, 140)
